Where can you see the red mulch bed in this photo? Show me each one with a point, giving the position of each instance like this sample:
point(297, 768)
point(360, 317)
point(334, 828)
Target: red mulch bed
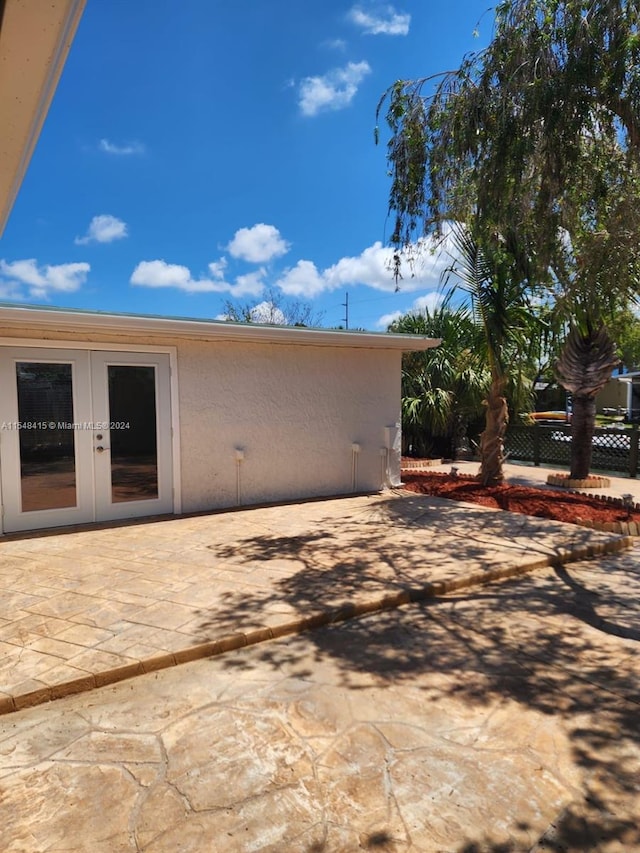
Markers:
point(529, 500)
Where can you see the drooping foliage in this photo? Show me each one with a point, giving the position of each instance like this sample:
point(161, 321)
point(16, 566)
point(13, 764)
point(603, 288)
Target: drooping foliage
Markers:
point(534, 144)
point(537, 136)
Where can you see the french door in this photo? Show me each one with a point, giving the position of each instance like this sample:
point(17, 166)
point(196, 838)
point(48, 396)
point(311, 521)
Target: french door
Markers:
point(84, 436)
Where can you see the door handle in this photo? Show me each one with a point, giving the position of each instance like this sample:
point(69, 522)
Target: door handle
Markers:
point(101, 449)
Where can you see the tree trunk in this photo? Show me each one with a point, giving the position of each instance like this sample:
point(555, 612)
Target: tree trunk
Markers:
point(583, 422)
point(492, 439)
point(586, 364)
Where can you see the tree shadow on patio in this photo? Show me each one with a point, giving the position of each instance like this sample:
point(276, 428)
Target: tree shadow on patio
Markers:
point(563, 643)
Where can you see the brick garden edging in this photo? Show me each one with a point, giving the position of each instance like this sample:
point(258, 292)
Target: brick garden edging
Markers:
point(591, 482)
point(626, 528)
point(419, 464)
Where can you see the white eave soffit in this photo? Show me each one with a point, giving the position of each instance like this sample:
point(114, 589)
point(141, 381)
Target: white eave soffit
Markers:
point(35, 37)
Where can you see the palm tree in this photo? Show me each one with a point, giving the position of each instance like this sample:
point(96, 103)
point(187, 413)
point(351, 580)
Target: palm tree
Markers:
point(585, 365)
point(510, 334)
point(442, 388)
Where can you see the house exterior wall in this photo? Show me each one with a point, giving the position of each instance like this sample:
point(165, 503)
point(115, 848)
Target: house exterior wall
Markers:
point(294, 411)
point(614, 395)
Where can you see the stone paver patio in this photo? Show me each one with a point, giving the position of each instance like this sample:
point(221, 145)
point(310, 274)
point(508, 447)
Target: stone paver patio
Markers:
point(91, 607)
point(501, 719)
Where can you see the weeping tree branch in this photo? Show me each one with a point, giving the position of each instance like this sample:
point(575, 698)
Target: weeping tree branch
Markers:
point(533, 143)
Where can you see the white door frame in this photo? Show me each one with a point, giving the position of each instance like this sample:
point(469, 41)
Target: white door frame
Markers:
point(40, 346)
point(83, 507)
point(105, 509)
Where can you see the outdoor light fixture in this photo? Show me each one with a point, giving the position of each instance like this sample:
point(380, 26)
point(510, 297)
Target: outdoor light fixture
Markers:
point(454, 471)
point(627, 503)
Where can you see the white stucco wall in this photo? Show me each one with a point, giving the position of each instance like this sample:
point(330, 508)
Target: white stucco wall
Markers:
point(294, 410)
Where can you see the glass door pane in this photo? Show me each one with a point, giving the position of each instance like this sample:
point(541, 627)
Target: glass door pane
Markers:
point(85, 436)
point(133, 432)
point(132, 435)
point(46, 436)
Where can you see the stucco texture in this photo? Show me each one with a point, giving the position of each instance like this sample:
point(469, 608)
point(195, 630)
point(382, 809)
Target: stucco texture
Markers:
point(295, 411)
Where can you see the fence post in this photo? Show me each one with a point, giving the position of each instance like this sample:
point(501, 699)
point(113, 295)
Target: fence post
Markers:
point(536, 445)
point(633, 454)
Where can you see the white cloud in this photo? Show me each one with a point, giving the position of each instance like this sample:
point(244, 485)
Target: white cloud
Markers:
point(159, 274)
point(429, 301)
point(303, 280)
point(217, 268)
point(65, 278)
point(332, 91)
point(39, 281)
point(384, 20)
point(373, 267)
point(263, 312)
point(250, 284)
point(335, 44)
point(103, 229)
point(25, 272)
point(121, 150)
point(267, 312)
point(258, 244)
point(387, 319)
point(11, 293)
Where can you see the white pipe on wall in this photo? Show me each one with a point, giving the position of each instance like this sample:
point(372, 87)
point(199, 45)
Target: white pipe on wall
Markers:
point(239, 461)
point(355, 450)
point(384, 467)
point(393, 447)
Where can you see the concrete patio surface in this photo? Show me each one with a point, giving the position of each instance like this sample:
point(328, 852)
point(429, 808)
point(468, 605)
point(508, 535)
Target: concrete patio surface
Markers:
point(90, 607)
point(502, 719)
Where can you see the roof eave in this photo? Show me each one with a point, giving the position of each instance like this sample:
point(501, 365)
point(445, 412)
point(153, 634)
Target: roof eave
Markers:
point(35, 38)
point(20, 317)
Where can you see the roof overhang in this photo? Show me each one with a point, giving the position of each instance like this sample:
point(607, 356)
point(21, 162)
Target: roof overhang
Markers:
point(89, 322)
point(35, 37)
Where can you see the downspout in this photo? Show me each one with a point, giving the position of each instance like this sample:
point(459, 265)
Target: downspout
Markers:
point(239, 461)
point(384, 467)
point(355, 451)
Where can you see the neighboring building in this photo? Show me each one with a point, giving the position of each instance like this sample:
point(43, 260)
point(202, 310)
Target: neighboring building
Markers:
point(621, 395)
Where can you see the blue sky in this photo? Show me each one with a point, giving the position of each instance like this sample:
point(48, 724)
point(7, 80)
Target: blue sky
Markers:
point(200, 151)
